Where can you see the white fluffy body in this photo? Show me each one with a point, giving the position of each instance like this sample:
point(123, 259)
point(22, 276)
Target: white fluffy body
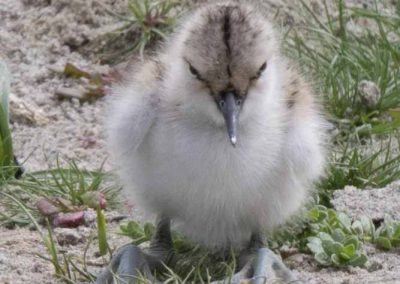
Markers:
point(175, 159)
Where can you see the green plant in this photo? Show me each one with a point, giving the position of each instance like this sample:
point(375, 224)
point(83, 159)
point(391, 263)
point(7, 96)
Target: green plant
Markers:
point(147, 21)
point(333, 240)
point(139, 234)
point(336, 249)
point(101, 231)
point(7, 165)
point(372, 164)
point(364, 228)
point(190, 263)
point(65, 269)
point(340, 58)
point(356, 68)
point(387, 235)
point(70, 186)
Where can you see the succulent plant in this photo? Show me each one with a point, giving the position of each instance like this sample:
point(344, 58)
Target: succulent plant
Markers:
point(337, 249)
point(334, 241)
point(387, 235)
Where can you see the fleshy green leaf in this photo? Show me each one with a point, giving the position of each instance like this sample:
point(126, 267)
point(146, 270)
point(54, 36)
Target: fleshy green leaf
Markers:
point(324, 236)
point(338, 235)
point(314, 244)
point(396, 234)
point(352, 240)
point(344, 220)
point(322, 258)
point(313, 214)
point(348, 251)
point(383, 243)
point(335, 259)
point(358, 261)
point(357, 227)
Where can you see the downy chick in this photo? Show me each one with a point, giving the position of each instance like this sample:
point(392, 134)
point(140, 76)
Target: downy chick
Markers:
point(218, 133)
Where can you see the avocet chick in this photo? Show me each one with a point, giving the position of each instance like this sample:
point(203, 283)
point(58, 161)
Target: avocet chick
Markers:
point(219, 134)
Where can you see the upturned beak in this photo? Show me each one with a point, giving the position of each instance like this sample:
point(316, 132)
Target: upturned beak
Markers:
point(230, 105)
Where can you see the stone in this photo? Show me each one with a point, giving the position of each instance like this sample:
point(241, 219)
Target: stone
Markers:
point(67, 236)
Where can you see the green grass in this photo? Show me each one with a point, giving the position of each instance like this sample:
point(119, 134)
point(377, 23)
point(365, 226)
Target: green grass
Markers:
point(339, 59)
point(146, 22)
point(67, 268)
point(70, 183)
point(192, 263)
point(363, 166)
point(364, 149)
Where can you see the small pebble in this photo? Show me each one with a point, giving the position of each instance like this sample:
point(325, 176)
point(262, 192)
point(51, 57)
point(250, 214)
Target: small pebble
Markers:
point(67, 236)
point(369, 93)
point(89, 216)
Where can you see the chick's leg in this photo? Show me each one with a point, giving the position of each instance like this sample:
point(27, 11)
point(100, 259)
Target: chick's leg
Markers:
point(130, 261)
point(268, 266)
point(259, 265)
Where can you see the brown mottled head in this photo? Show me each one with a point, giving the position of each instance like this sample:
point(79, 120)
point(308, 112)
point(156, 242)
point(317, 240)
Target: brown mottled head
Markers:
point(225, 49)
point(228, 48)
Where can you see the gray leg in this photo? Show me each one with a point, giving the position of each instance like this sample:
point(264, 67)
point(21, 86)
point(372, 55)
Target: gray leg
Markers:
point(259, 265)
point(268, 266)
point(126, 266)
point(161, 244)
point(130, 261)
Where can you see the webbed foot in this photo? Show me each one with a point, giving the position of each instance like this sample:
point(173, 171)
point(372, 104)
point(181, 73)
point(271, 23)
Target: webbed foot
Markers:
point(260, 265)
point(267, 266)
point(131, 262)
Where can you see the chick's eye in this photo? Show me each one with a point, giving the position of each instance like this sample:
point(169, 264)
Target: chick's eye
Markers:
point(260, 71)
point(193, 70)
point(262, 68)
point(195, 73)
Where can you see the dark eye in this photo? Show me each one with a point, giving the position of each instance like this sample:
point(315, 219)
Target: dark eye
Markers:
point(260, 71)
point(193, 70)
point(263, 67)
point(195, 73)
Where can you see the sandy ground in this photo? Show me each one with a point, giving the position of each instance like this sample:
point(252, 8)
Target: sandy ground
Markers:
point(18, 260)
point(36, 39)
point(20, 251)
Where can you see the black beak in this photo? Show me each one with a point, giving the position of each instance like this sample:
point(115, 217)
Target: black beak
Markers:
point(230, 105)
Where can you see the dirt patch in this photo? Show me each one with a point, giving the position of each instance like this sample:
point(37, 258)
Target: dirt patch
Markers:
point(376, 203)
point(20, 249)
point(37, 41)
point(19, 262)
